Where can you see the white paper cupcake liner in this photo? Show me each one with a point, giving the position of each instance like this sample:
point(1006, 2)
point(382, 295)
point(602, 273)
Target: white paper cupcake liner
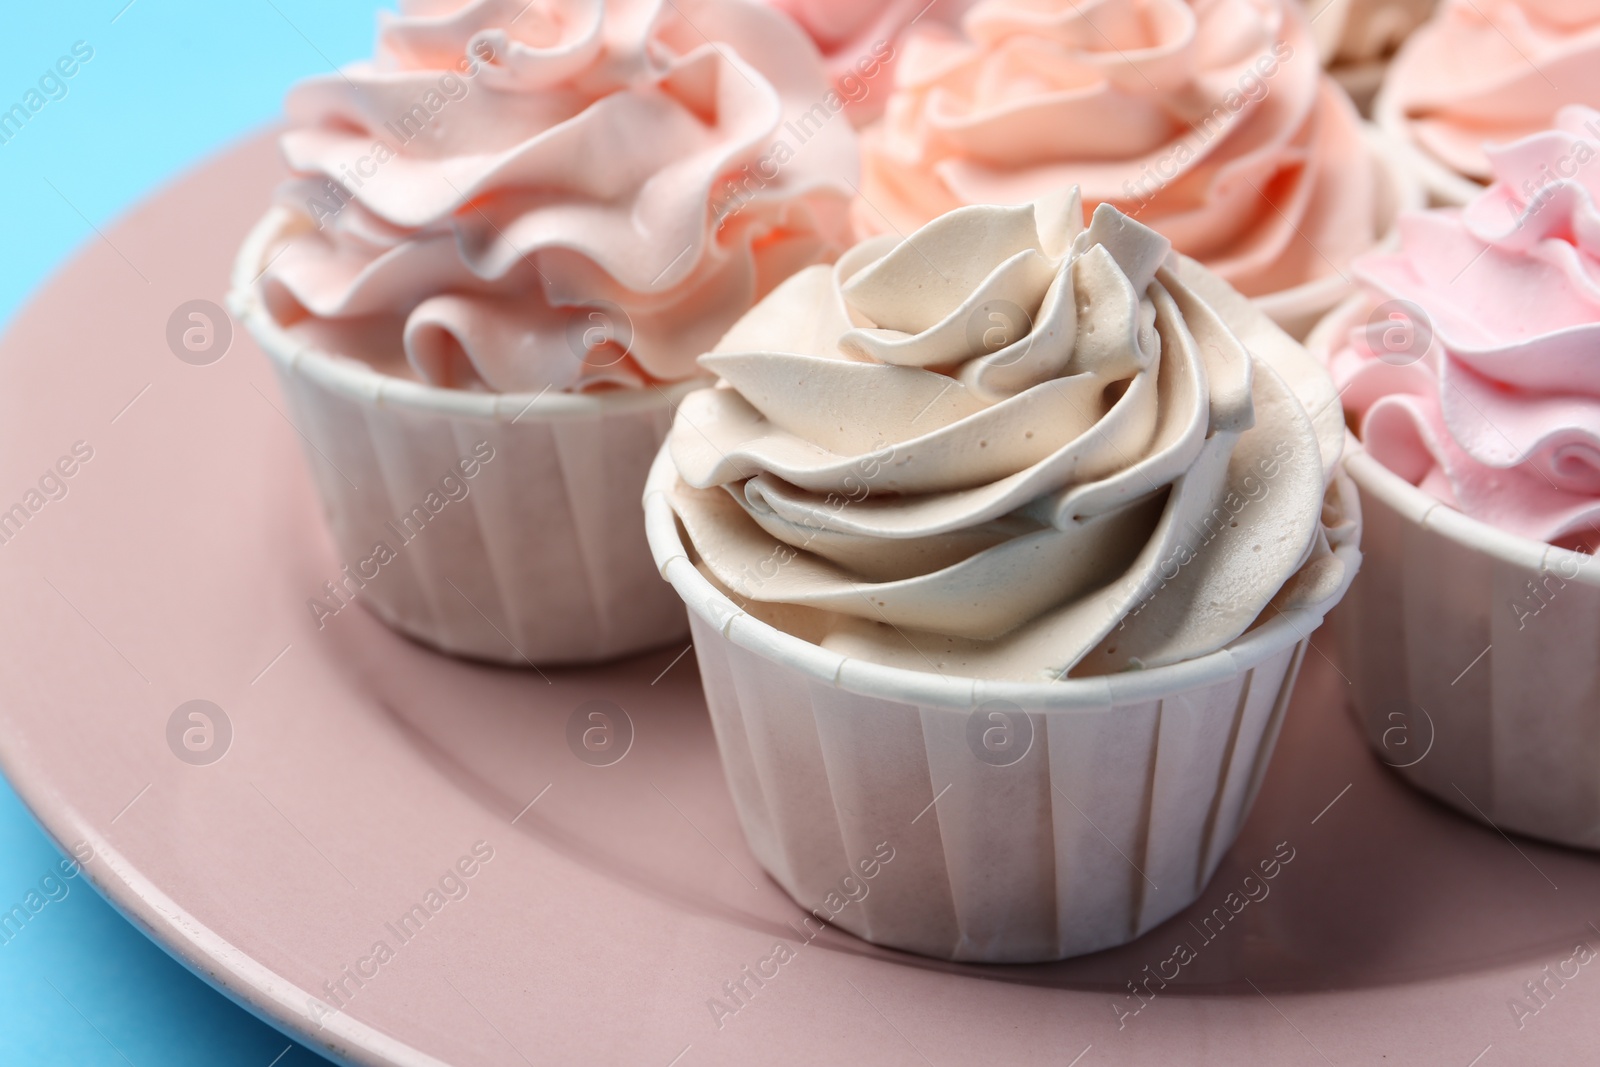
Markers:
point(1299, 309)
point(538, 558)
point(1444, 187)
point(1474, 685)
point(1473, 659)
point(1130, 792)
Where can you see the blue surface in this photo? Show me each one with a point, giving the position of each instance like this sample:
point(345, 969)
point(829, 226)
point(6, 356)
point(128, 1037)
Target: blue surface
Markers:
point(169, 82)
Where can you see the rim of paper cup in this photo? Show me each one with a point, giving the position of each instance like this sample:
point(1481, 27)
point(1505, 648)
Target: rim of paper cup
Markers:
point(1427, 511)
point(1315, 298)
point(952, 692)
point(1430, 513)
point(1445, 185)
point(359, 381)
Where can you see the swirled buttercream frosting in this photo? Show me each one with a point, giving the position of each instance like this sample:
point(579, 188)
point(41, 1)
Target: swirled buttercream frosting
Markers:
point(1491, 71)
point(1211, 122)
point(556, 195)
point(1470, 368)
point(1010, 446)
point(858, 40)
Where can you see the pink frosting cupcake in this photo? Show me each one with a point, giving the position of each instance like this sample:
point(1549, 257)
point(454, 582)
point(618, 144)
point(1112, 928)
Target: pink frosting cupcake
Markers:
point(1212, 123)
point(1489, 399)
point(498, 169)
point(1488, 71)
point(1467, 370)
point(511, 233)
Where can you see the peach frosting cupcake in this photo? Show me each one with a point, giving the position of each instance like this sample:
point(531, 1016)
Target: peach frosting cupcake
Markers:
point(503, 244)
point(1213, 123)
point(1488, 71)
point(1468, 371)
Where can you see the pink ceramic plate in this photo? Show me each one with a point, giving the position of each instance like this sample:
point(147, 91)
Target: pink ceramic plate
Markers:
point(360, 774)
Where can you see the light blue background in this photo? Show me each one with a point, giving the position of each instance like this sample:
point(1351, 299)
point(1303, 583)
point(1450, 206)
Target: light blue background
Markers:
point(171, 81)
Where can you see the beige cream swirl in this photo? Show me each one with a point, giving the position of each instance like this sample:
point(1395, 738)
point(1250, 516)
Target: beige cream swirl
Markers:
point(1010, 446)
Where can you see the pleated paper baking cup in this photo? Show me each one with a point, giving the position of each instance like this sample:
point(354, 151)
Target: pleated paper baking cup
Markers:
point(1022, 822)
point(502, 527)
point(1474, 658)
point(1298, 309)
point(1443, 186)
point(1472, 653)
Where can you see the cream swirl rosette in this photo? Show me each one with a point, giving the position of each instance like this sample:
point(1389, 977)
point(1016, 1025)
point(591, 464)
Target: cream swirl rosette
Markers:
point(1213, 123)
point(1468, 365)
point(561, 195)
point(1010, 446)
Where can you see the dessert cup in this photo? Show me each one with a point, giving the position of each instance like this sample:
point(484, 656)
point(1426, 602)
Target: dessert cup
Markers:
point(535, 557)
point(442, 237)
point(1000, 542)
point(1128, 791)
point(1471, 654)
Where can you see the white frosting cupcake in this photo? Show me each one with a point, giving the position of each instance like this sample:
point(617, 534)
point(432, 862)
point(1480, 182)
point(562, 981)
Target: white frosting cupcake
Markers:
point(1001, 545)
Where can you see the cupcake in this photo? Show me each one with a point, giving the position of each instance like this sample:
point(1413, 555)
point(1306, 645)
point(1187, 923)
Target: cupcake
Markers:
point(1034, 515)
point(1358, 38)
point(1212, 123)
point(1467, 372)
point(858, 42)
point(502, 246)
point(1482, 72)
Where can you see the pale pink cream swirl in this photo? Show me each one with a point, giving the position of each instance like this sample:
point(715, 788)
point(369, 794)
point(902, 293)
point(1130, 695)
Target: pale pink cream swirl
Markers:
point(1210, 121)
point(858, 40)
point(564, 195)
point(1492, 71)
point(1484, 389)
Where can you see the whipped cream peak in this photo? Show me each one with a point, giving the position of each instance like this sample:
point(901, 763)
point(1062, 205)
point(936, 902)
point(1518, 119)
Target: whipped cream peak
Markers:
point(569, 194)
point(1496, 408)
point(990, 443)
